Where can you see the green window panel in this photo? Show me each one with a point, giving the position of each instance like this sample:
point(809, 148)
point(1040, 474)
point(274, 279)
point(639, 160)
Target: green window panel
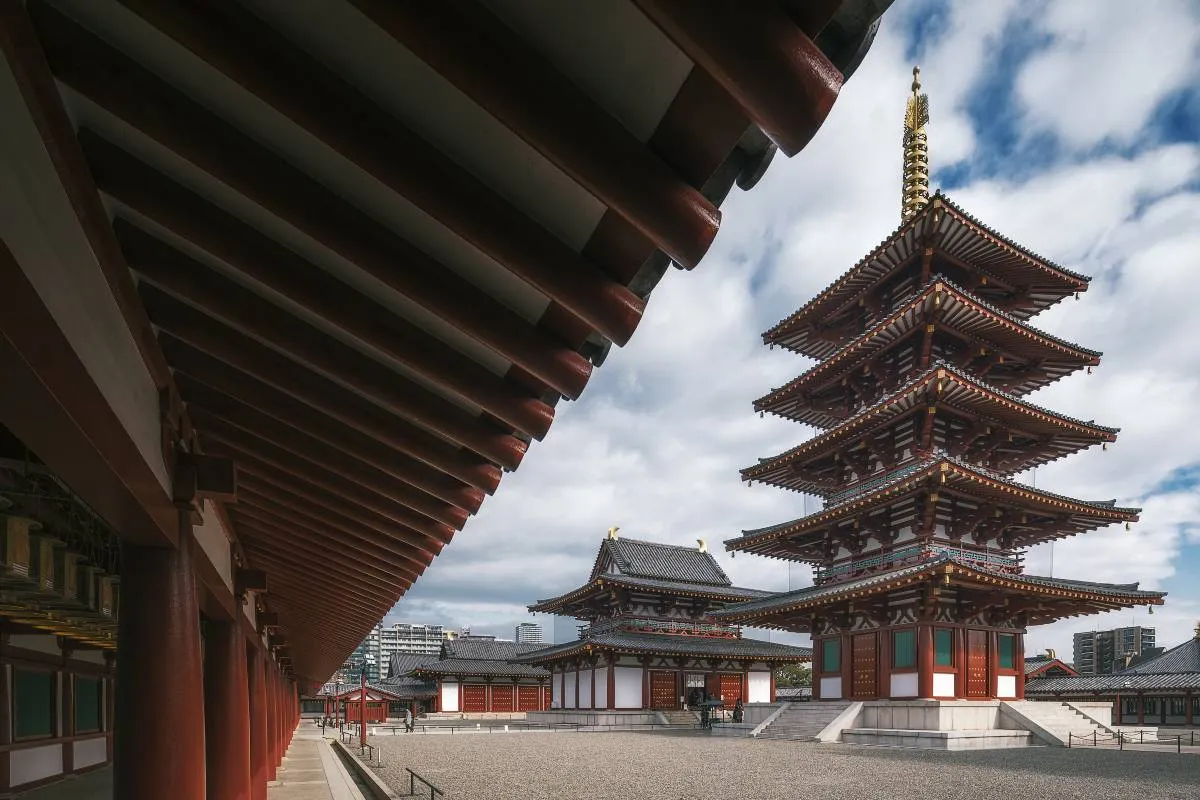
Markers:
point(831, 656)
point(943, 647)
point(33, 703)
point(904, 649)
point(88, 699)
point(1008, 648)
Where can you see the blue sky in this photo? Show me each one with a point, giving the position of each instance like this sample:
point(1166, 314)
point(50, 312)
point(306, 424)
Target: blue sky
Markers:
point(1071, 127)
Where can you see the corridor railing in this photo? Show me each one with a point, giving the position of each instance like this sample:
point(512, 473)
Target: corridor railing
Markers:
point(412, 785)
point(1121, 738)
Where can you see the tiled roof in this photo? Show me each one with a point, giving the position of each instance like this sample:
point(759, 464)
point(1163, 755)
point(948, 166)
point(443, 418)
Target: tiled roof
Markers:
point(667, 644)
point(653, 584)
point(1113, 684)
point(1182, 658)
point(483, 649)
point(404, 663)
point(406, 687)
point(638, 559)
point(808, 594)
point(481, 668)
point(1037, 663)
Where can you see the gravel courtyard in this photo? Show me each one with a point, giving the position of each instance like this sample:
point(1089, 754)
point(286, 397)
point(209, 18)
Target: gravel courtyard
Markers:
point(647, 766)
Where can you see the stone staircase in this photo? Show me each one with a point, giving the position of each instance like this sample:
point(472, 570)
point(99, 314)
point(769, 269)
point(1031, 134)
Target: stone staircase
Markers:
point(681, 717)
point(1056, 721)
point(803, 721)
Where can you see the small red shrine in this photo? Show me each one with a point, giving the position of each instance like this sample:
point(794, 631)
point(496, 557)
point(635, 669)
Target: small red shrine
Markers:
point(925, 357)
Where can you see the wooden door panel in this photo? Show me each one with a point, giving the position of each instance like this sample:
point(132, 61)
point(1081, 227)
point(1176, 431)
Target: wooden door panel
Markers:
point(474, 699)
point(731, 689)
point(527, 698)
point(977, 664)
point(502, 698)
point(662, 690)
point(864, 664)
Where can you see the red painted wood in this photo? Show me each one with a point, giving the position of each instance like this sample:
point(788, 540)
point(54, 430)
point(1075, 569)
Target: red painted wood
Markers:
point(226, 712)
point(977, 667)
point(731, 688)
point(503, 699)
point(547, 697)
point(925, 661)
point(159, 750)
point(960, 662)
point(258, 725)
point(474, 698)
point(864, 655)
point(662, 690)
point(529, 698)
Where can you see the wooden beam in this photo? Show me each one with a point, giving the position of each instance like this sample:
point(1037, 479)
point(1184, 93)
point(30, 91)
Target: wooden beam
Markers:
point(140, 99)
point(313, 556)
point(306, 456)
point(765, 62)
point(326, 410)
point(484, 59)
point(265, 63)
point(275, 266)
point(282, 427)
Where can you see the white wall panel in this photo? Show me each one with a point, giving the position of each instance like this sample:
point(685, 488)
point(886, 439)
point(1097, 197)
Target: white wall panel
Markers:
point(569, 679)
point(760, 687)
point(26, 766)
point(831, 688)
point(450, 697)
point(556, 684)
point(628, 687)
point(943, 684)
point(904, 684)
point(1006, 686)
point(90, 751)
point(585, 688)
point(602, 687)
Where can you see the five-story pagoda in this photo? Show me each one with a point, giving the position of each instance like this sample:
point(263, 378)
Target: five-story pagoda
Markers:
point(925, 355)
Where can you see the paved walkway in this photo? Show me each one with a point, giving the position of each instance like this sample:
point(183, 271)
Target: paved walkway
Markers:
point(311, 770)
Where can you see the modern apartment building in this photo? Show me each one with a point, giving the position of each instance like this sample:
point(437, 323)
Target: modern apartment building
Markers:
point(401, 637)
point(528, 633)
point(1106, 652)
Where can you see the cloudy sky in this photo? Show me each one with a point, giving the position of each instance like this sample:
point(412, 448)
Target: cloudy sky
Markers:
point(1072, 127)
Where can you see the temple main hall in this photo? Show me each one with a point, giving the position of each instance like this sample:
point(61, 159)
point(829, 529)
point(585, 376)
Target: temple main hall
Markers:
point(925, 360)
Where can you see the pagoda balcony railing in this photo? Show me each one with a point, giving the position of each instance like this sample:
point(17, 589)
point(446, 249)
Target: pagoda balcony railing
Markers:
point(915, 553)
point(669, 627)
point(913, 464)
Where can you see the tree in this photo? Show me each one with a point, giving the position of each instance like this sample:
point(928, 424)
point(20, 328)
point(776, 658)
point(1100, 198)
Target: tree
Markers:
point(793, 675)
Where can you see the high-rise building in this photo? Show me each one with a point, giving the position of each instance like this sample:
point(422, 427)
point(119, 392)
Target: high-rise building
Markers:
point(1105, 652)
point(401, 637)
point(528, 633)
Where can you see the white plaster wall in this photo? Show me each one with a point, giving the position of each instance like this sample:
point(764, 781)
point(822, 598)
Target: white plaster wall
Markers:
point(627, 684)
point(943, 684)
point(556, 692)
point(35, 763)
point(585, 688)
point(41, 643)
point(210, 534)
point(40, 227)
point(831, 688)
point(904, 684)
point(450, 697)
point(1006, 686)
point(569, 689)
point(602, 687)
point(760, 687)
point(88, 656)
point(90, 751)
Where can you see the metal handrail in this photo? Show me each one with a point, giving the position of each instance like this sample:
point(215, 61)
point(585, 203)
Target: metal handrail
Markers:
point(1122, 738)
point(412, 785)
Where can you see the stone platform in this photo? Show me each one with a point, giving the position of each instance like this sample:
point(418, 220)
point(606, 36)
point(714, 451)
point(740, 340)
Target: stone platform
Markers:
point(995, 739)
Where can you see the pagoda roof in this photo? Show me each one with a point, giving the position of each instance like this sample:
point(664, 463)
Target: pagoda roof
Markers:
point(914, 477)
point(596, 585)
point(956, 233)
point(634, 558)
point(957, 309)
point(951, 388)
point(479, 668)
point(673, 645)
point(963, 572)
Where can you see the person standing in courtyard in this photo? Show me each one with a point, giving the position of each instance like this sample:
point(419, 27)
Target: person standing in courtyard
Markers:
point(408, 721)
point(738, 710)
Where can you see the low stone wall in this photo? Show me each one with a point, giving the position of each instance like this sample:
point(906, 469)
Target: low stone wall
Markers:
point(936, 740)
point(732, 728)
point(594, 718)
point(757, 712)
point(1101, 712)
point(931, 715)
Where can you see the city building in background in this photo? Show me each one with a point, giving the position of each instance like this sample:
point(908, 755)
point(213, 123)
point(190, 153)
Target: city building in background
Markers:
point(1106, 652)
point(400, 638)
point(528, 633)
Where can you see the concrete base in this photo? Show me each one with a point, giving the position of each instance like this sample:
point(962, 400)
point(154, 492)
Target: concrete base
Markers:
point(936, 740)
point(931, 715)
point(598, 718)
point(732, 728)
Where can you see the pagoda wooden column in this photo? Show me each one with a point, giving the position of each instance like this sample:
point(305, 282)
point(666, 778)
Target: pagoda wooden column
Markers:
point(993, 662)
point(226, 713)
point(925, 661)
point(1019, 663)
point(159, 749)
point(771, 671)
point(612, 682)
point(960, 663)
point(259, 769)
point(272, 727)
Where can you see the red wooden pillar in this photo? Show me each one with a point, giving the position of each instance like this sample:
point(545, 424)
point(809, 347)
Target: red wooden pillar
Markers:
point(960, 663)
point(846, 643)
point(1019, 663)
point(226, 713)
point(925, 661)
point(771, 670)
point(612, 681)
point(159, 748)
point(1141, 708)
point(259, 769)
point(645, 683)
point(362, 711)
point(1187, 707)
point(993, 662)
point(272, 728)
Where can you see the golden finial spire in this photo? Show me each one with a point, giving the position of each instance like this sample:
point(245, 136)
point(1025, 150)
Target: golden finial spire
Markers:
point(916, 150)
point(612, 532)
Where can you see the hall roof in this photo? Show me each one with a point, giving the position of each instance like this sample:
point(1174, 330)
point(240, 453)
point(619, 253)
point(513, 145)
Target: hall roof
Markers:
point(555, 605)
point(363, 250)
point(479, 668)
point(672, 645)
point(1116, 683)
point(633, 558)
point(484, 649)
point(1181, 658)
point(1035, 665)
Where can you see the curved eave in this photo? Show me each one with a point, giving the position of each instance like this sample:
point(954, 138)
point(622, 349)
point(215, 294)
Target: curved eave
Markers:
point(597, 587)
point(959, 235)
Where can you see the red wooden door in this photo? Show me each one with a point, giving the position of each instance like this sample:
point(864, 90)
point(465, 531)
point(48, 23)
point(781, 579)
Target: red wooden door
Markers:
point(474, 698)
point(502, 698)
point(547, 696)
point(662, 690)
point(977, 664)
point(731, 690)
point(864, 665)
point(527, 698)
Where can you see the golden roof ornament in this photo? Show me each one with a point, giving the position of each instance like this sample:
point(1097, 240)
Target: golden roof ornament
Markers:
point(916, 151)
point(612, 532)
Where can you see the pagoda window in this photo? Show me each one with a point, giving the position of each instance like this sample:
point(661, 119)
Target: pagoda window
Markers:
point(904, 649)
point(831, 655)
point(1007, 646)
point(33, 704)
point(943, 647)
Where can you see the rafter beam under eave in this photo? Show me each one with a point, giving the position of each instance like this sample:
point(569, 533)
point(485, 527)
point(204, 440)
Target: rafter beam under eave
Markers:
point(765, 62)
point(304, 557)
point(263, 62)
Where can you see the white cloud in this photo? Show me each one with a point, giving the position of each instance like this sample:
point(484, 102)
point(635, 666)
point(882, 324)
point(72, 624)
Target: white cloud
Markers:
point(655, 444)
